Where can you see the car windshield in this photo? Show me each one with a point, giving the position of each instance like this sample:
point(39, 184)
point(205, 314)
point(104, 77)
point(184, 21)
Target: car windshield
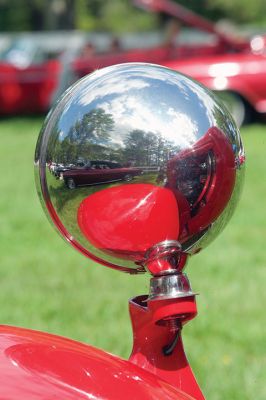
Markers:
point(27, 49)
point(103, 165)
point(21, 52)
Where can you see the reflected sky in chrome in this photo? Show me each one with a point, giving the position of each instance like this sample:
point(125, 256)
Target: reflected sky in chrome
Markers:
point(131, 100)
point(100, 117)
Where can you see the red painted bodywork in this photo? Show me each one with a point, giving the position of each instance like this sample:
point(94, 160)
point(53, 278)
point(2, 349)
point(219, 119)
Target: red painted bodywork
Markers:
point(212, 198)
point(124, 220)
point(229, 64)
point(154, 325)
point(40, 366)
point(28, 90)
point(243, 68)
point(244, 74)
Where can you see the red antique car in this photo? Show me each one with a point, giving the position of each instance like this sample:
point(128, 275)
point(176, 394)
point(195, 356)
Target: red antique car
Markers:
point(33, 75)
point(32, 68)
point(239, 79)
point(35, 71)
point(235, 68)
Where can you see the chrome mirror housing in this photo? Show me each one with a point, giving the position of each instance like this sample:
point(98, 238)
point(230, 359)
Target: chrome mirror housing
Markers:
point(138, 167)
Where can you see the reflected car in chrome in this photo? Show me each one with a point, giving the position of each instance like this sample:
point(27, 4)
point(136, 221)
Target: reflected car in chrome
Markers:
point(97, 172)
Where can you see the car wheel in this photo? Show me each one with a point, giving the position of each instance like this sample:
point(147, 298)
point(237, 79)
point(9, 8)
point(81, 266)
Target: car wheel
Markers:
point(71, 183)
point(128, 178)
point(236, 105)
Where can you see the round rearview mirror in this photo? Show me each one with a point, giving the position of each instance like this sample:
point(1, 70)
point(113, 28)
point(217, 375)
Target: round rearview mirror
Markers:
point(138, 165)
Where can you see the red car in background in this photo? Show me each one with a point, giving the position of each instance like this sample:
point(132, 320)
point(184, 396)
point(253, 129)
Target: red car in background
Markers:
point(239, 79)
point(34, 71)
point(232, 66)
point(236, 70)
point(32, 67)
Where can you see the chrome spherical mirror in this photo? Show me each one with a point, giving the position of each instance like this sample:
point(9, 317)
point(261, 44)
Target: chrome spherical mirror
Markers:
point(137, 164)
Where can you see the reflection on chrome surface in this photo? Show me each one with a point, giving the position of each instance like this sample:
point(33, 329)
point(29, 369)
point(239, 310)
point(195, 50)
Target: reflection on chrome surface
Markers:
point(136, 155)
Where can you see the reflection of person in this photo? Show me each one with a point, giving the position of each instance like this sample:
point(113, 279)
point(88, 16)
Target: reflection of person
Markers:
point(115, 45)
point(172, 31)
point(88, 50)
point(161, 177)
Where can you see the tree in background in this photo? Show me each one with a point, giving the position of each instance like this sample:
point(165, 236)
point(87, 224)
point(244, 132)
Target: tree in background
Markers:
point(37, 15)
point(241, 11)
point(33, 15)
point(114, 15)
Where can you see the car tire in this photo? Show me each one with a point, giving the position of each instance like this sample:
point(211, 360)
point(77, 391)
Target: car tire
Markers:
point(128, 178)
point(71, 184)
point(237, 106)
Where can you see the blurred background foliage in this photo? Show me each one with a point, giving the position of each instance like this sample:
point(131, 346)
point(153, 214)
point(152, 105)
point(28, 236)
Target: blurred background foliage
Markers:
point(44, 288)
point(115, 15)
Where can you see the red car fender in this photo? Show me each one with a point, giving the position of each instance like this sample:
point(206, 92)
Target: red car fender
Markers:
point(38, 366)
point(243, 74)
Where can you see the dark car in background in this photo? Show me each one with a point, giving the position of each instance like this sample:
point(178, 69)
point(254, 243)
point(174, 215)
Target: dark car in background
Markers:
point(98, 172)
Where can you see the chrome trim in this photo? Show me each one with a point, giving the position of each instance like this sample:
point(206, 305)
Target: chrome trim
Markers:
point(161, 126)
point(169, 287)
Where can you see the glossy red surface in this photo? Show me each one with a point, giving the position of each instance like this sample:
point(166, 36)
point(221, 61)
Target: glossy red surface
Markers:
point(40, 366)
point(212, 198)
point(27, 90)
point(124, 220)
point(225, 64)
point(154, 327)
point(66, 235)
point(243, 73)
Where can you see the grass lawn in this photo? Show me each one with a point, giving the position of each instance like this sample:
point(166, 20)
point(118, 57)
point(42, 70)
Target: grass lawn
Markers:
point(46, 285)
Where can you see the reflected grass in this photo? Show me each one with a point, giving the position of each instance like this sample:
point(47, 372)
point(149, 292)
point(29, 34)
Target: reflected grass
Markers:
point(67, 201)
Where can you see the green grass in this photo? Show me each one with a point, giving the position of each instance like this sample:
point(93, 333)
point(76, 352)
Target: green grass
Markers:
point(46, 285)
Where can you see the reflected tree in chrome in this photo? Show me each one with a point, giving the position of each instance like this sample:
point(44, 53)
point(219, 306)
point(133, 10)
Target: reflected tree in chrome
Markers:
point(142, 141)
